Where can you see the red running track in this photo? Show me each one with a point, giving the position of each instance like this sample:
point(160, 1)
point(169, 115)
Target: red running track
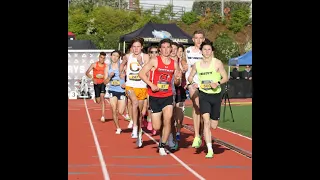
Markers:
point(97, 153)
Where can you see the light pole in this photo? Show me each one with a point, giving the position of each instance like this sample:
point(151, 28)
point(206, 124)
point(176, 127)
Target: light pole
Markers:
point(222, 8)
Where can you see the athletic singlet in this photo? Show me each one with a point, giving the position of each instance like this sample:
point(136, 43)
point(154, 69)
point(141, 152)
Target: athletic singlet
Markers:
point(98, 71)
point(115, 82)
point(132, 72)
point(192, 57)
point(162, 77)
point(208, 75)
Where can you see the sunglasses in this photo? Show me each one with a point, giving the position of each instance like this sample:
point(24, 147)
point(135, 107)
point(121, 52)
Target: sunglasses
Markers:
point(154, 52)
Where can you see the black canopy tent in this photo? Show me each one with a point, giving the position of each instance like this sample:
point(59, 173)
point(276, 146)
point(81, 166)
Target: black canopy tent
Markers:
point(153, 33)
point(81, 44)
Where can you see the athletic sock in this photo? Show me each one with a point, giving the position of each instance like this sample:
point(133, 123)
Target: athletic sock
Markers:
point(162, 145)
point(209, 146)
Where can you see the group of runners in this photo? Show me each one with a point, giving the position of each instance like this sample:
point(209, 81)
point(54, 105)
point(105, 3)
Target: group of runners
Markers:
point(151, 87)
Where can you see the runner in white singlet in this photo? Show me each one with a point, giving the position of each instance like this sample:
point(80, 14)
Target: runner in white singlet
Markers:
point(193, 54)
point(136, 89)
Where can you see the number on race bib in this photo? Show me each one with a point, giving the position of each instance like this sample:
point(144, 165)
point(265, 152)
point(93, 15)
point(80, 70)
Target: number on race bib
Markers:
point(99, 76)
point(205, 85)
point(134, 77)
point(115, 83)
point(163, 86)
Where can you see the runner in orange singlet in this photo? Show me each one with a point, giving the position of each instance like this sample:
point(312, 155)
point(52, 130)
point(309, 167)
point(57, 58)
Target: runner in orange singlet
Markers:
point(163, 68)
point(99, 70)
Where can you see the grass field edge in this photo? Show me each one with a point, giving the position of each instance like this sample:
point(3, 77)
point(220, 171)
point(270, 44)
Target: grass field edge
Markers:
point(227, 130)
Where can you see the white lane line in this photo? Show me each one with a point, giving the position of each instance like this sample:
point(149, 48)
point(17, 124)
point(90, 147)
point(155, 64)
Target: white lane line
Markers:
point(96, 142)
point(175, 157)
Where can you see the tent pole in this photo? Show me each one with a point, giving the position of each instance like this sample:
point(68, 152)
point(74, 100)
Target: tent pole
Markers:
point(124, 47)
point(228, 71)
point(119, 46)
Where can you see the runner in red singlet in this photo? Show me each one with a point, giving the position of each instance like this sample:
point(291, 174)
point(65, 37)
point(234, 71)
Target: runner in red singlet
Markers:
point(163, 68)
point(99, 70)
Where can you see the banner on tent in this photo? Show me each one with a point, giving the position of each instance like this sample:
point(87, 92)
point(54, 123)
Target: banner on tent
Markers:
point(78, 63)
point(156, 40)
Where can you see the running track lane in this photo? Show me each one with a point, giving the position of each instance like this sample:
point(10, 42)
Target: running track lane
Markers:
point(238, 140)
point(124, 160)
point(81, 145)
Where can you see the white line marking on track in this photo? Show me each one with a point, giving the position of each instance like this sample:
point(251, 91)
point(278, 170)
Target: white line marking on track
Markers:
point(174, 157)
point(177, 159)
point(226, 147)
point(96, 142)
point(226, 130)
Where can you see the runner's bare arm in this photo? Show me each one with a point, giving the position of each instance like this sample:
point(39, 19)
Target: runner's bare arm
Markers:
point(184, 57)
point(106, 75)
point(192, 73)
point(177, 74)
point(146, 68)
point(184, 62)
point(146, 58)
point(222, 71)
point(89, 70)
point(123, 63)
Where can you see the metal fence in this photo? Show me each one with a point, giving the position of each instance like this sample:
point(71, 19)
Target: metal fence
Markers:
point(176, 12)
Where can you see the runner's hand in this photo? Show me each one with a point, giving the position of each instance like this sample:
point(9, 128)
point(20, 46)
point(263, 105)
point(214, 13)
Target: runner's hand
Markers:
point(195, 85)
point(154, 88)
point(111, 75)
point(125, 59)
point(214, 85)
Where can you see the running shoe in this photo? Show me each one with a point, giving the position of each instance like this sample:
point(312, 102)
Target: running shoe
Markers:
point(197, 142)
point(210, 154)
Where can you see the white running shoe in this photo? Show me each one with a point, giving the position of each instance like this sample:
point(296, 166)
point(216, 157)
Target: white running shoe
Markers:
point(134, 133)
point(103, 119)
point(118, 131)
point(162, 152)
point(130, 125)
point(139, 141)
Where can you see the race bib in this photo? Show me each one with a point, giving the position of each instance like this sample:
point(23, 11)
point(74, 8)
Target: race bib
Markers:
point(163, 86)
point(205, 85)
point(134, 77)
point(99, 76)
point(115, 83)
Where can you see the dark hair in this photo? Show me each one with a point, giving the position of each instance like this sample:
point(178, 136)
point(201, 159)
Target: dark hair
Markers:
point(206, 42)
point(137, 39)
point(117, 51)
point(165, 41)
point(199, 32)
point(175, 43)
point(151, 47)
point(102, 54)
point(181, 46)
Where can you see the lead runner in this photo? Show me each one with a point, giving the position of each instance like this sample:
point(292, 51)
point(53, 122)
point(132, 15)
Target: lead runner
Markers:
point(163, 68)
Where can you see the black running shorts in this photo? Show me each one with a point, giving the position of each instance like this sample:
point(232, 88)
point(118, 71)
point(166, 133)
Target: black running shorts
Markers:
point(210, 103)
point(156, 104)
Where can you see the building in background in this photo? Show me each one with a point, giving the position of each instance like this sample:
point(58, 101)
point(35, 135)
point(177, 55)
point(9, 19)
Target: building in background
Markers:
point(185, 3)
